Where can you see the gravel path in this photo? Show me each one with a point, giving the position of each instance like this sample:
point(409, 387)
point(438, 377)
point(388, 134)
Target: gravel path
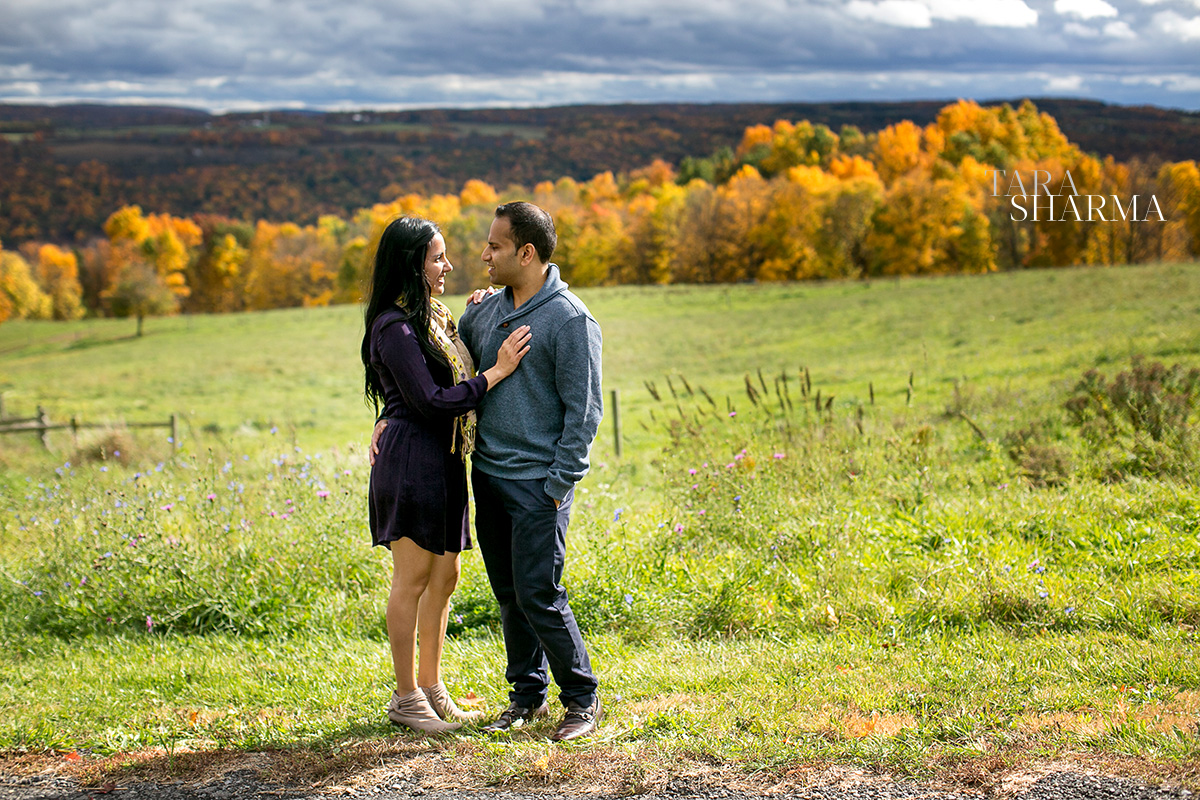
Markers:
point(1060, 785)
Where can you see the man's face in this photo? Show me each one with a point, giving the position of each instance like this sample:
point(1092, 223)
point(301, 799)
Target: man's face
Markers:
point(500, 254)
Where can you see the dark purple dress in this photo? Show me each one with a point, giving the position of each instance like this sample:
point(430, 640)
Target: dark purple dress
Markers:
point(418, 487)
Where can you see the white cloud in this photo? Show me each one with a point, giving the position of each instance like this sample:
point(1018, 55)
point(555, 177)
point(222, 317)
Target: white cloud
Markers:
point(1084, 9)
point(19, 89)
point(898, 13)
point(1080, 30)
point(1180, 27)
point(1119, 30)
point(992, 13)
point(921, 13)
point(1064, 84)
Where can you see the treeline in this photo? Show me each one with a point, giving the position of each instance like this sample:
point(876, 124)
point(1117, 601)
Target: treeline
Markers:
point(63, 169)
point(794, 201)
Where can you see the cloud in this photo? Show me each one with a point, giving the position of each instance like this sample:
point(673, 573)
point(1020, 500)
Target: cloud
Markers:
point(900, 13)
point(226, 54)
point(1064, 84)
point(1119, 30)
point(1084, 9)
point(997, 13)
point(1180, 27)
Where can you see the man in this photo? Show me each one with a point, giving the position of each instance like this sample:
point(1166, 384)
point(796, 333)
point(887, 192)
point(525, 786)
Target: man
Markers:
point(531, 448)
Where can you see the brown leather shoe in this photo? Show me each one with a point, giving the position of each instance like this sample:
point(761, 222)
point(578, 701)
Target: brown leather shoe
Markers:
point(579, 721)
point(514, 717)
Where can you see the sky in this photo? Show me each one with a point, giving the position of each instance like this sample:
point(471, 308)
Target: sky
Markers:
point(243, 55)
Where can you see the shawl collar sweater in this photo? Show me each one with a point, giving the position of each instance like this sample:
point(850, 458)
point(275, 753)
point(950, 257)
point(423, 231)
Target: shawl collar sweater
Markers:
point(539, 423)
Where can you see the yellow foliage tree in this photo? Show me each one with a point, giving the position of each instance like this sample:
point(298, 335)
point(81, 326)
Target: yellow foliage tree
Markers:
point(20, 296)
point(477, 193)
point(58, 276)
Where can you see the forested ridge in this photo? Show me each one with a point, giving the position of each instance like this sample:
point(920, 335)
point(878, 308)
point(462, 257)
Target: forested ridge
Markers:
point(66, 168)
point(285, 208)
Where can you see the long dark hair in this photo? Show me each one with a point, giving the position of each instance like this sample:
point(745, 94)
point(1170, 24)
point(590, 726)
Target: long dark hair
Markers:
point(399, 277)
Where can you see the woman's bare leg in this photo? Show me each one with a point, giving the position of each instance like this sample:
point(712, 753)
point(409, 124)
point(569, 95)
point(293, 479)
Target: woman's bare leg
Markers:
point(411, 569)
point(432, 614)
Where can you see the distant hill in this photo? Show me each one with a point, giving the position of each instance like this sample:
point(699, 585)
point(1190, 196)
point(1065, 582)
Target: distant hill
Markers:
point(65, 168)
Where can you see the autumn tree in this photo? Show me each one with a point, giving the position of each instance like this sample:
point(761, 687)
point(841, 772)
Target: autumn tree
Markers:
point(20, 295)
point(58, 277)
point(141, 292)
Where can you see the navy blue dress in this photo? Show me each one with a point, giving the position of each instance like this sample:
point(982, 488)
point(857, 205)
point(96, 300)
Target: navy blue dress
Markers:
point(418, 487)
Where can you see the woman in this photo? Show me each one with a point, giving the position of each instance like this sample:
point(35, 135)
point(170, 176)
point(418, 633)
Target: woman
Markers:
point(421, 374)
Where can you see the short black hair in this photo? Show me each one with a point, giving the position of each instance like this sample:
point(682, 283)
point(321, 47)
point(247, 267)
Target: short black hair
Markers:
point(530, 225)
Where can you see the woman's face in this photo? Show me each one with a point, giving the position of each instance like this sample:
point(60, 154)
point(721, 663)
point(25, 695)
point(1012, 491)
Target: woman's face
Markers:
point(437, 265)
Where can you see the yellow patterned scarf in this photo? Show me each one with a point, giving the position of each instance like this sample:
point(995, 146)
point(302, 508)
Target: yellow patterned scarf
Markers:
point(444, 333)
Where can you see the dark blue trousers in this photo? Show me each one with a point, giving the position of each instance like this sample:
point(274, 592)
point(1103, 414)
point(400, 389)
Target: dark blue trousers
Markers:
point(523, 540)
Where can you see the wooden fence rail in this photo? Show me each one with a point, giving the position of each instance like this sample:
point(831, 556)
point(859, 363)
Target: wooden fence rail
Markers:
point(42, 426)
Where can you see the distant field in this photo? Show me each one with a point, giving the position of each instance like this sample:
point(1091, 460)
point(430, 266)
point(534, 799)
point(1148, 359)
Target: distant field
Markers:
point(1025, 337)
point(892, 548)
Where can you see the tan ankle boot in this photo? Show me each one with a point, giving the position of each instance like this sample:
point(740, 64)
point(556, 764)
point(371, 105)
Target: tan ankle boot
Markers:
point(443, 704)
point(413, 711)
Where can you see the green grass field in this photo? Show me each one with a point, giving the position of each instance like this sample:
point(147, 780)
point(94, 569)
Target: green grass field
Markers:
point(930, 565)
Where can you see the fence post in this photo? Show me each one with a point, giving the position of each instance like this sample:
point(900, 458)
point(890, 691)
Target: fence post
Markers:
point(75, 430)
point(175, 429)
point(44, 424)
point(616, 404)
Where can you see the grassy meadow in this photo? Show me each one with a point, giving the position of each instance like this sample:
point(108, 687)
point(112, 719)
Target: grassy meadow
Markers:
point(876, 523)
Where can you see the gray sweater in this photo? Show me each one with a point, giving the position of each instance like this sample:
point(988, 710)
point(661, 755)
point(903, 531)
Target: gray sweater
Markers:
point(540, 421)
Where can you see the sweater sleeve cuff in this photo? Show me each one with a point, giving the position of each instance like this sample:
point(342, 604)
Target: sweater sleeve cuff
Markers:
point(558, 489)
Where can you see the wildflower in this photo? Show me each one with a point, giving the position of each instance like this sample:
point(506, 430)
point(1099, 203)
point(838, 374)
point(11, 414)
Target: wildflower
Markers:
point(730, 465)
point(274, 430)
point(779, 455)
point(211, 497)
point(104, 469)
point(167, 507)
point(732, 414)
point(1043, 594)
point(1069, 610)
point(628, 599)
point(695, 486)
point(737, 498)
point(37, 594)
point(117, 453)
point(458, 618)
point(702, 512)
point(740, 456)
point(679, 527)
point(617, 514)
point(322, 494)
point(347, 472)
point(109, 620)
point(692, 471)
